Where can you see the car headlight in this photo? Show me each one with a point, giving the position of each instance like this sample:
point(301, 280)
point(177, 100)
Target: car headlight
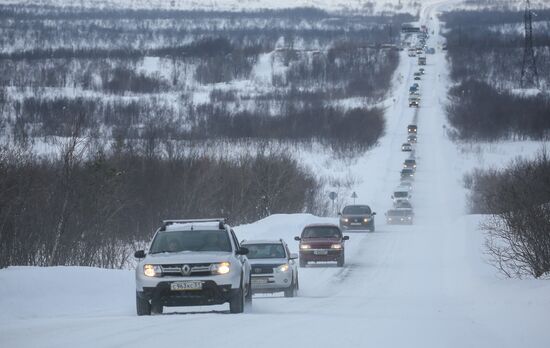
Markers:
point(283, 268)
point(366, 219)
point(152, 270)
point(344, 219)
point(305, 246)
point(220, 268)
point(336, 246)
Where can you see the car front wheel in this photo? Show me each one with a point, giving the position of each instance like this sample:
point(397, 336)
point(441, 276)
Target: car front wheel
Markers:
point(143, 307)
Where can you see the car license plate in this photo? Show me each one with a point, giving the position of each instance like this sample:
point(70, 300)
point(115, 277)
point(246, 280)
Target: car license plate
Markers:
point(187, 285)
point(320, 252)
point(259, 281)
point(356, 223)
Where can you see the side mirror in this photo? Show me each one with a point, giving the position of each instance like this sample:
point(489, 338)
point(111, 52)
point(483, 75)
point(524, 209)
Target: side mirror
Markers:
point(140, 254)
point(242, 251)
point(293, 256)
point(373, 213)
point(297, 238)
point(392, 197)
point(346, 238)
point(339, 214)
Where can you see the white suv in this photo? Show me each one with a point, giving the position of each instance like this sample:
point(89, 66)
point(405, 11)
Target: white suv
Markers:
point(193, 263)
point(274, 268)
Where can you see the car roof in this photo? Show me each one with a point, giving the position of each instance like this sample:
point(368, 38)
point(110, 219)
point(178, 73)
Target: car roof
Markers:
point(401, 188)
point(202, 226)
point(262, 241)
point(321, 225)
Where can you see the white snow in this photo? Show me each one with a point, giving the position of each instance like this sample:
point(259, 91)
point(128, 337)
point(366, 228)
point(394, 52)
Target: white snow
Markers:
point(426, 285)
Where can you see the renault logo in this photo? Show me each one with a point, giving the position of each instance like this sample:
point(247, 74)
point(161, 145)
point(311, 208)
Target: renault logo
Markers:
point(185, 270)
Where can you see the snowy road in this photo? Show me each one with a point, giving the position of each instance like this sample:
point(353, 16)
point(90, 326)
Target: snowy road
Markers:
point(403, 286)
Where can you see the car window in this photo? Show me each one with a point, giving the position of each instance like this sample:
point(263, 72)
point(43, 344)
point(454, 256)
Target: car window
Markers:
point(356, 210)
point(266, 251)
point(321, 232)
point(197, 240)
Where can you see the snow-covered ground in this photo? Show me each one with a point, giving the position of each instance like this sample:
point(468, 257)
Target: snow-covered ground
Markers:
point(426, 285)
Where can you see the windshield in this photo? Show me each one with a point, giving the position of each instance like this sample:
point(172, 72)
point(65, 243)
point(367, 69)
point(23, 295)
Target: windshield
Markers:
point(321, 232)
point(265, 251)
point(410, 161)
point(400, 194)
point(356, 210)
point(175, 241)
point(403, 212)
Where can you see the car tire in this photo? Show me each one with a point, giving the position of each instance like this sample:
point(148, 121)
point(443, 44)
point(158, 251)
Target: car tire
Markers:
point(156, 308)
point(248, 297)
point(143, 307)
point(372, 229)
point(303, 263)
point(292, 290)
point(341, 260)
point(236, 304)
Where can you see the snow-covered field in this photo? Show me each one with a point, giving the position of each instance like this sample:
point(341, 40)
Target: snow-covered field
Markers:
point(426, 285)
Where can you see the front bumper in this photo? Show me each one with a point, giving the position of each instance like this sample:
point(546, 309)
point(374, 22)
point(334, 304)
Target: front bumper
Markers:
point(312, 255)
point(271, 282)
point(399, 221)
point(210, 294)
point(358, 226)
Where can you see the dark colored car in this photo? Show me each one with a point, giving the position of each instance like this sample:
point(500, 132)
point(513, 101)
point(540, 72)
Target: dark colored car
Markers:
point(409, 163)
point(357, 217)
point(412, 128)
point(399, 217)
point(322, 243)
point(407, 174)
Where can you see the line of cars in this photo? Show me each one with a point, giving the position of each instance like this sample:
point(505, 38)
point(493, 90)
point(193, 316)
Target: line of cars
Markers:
point(201, 262)
point(402, 211)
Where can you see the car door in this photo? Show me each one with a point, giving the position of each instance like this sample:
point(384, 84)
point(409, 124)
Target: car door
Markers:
point(242, 258)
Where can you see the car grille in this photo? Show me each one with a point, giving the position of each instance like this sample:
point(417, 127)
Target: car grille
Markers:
point(264, 269)
point(194, 269)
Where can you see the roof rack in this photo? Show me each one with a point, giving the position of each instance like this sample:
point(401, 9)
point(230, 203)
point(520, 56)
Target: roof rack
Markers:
point(165, 223)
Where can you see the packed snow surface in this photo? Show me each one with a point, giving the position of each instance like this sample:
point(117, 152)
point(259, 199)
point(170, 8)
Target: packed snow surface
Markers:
point(426, 285)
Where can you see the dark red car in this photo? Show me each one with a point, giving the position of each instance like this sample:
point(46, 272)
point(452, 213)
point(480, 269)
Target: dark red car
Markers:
point(321, 243)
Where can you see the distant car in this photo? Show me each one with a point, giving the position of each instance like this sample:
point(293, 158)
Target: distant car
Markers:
point(413, 90)
point(412, 138)
point(414, 104)
point(400, 216)
point(412, 128)
point(401, 193)
point(357, 217)
point(409, 163)
point(417, 74)
point(273, 268)
point(417, 78)
point(416, 85)
point(407, 174)
point(402, 204)
point(407, 184)
point(322, 243)
point(406, 147)
point(422, 71)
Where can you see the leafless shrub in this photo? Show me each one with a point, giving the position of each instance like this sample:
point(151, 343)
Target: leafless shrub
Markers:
point(518, 228)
